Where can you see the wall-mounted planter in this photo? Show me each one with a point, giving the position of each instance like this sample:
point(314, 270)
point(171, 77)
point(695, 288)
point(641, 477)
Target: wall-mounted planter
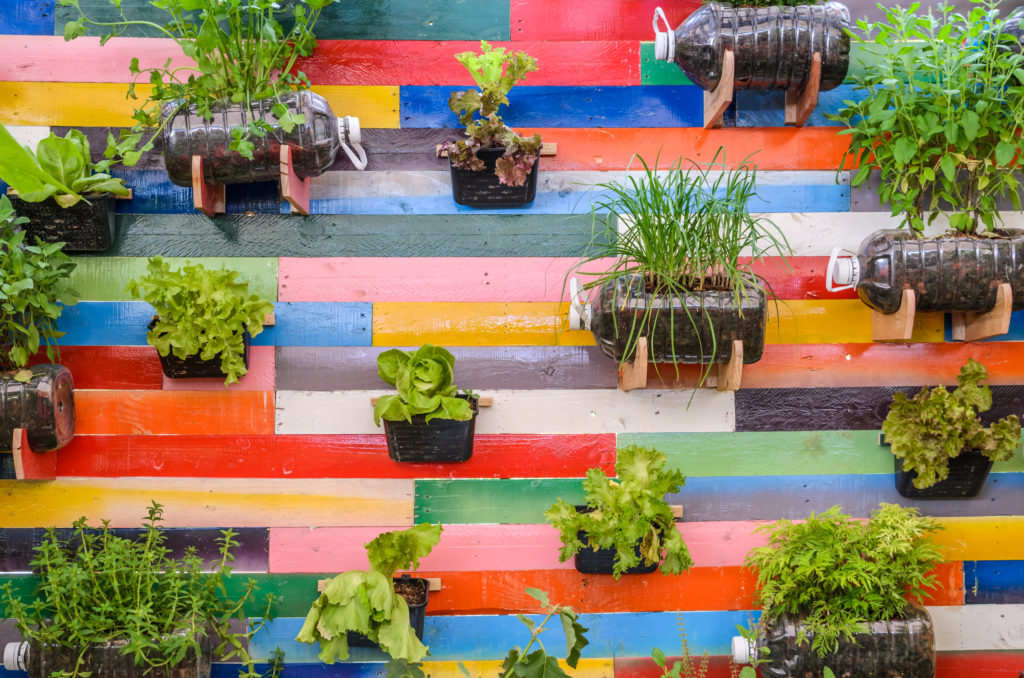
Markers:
point(83, 227)
point(439, 441)
point(102, 660)
point(481, 188)
point(194, 367)
point(44, 406)
point(602, 561)
point(415, 591)
point(967, 474)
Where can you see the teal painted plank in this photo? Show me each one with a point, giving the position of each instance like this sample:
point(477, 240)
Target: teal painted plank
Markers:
point(519, 501)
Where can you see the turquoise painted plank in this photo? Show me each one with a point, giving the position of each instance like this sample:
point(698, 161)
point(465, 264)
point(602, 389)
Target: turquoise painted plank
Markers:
point(993, 582)
point(27, 17)
point(490, 636)
point(767, 109)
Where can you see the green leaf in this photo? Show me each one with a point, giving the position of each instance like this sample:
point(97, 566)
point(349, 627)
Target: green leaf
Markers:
point(400, 550)
point(1006, 152)
point(904, 150)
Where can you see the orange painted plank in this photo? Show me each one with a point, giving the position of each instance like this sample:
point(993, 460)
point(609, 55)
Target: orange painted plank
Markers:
point(174, 412)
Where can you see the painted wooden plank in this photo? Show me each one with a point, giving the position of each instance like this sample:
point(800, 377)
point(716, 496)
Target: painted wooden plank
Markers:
point(105, 104)
point(784, 409)
point(28, 135)
point(979, 627)
point(657, 71)
point(993, 582)
point(174, 412)
point(321, 324)
point(585, 668)
point(982, 538)
point(110, 367)
point(260, 376)
point(353, 19)
point(600, 20)
point(539, 412)
point(634, 106)
point(48, 58)
point(27, 17)
point(17, 546)
point(767, 109)
point(191, 502)
point(318, 456)
point(865, 198)
point(105, 278)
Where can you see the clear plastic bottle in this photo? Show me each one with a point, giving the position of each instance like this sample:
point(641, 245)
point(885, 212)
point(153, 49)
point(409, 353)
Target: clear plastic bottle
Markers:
point(315, 143)
point(773, 47)
point(106, 661)
point(44, 406)
point(1015, 26)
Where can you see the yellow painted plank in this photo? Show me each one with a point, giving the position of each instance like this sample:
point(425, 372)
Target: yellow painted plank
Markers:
point(106, 104)
point(587, 668)
point(543, 324)
point(982, 538)
point(205, 502)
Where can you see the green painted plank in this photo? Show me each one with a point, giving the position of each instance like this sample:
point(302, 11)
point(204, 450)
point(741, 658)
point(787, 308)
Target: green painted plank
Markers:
point(348, 19)
point(510, 502)
point(347, 235)
point(654, 72)
point(105, 278)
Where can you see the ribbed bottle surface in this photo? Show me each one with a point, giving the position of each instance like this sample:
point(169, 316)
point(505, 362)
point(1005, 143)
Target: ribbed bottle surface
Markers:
point(314, 142)
point(773, 47)
point(44, 406)
point(107, 661)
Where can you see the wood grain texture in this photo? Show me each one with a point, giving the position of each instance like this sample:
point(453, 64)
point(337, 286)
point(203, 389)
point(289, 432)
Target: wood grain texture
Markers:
point(259, 377)
point(174, 412)
point(979, 627)
point(318, 456)
point(110, 367)
point(602, 19)
point(994, 582)
point(982, 538)
point(191, 502)
point(27, 17)
point(105, 278)
point(541, 412)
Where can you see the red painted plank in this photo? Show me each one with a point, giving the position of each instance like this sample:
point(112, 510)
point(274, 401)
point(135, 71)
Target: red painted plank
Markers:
point(110, 367)
point(327, 456)
point(592, 20)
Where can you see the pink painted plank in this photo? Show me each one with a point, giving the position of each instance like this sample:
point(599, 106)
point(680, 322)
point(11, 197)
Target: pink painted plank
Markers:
point(472, 548)
point(260, 376)
point(44, 58)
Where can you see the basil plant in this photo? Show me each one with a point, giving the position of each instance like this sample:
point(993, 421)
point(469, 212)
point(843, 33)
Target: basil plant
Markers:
point(423, 379)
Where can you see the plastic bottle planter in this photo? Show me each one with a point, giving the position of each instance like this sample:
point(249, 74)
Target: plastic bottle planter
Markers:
point(896, 272)
point(897, 647)
point(83, 227)
point(312, 146)
point(413, 589)
point(1015, 26)
point(481, 188)
point(439, 441)
point(107, 661)
point(602, 561)
point(44, 406)
point(194, 367)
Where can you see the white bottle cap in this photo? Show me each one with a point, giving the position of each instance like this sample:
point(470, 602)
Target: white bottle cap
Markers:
point(741, 650)
point(664, 41)
point(16, 656)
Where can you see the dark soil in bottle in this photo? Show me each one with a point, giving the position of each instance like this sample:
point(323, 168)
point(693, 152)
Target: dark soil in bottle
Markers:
point(108, 662)
point(481, 188)
point(83, 227)
point(967, 474)
point(415, 591)
point(436, 441)
point(44, 406)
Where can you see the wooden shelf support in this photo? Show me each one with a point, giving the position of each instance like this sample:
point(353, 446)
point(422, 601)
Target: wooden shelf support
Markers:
point(730, 374)
point(898, 326)
point(30, 465)
point(677, 511)
point(800, 104)
point(293, 189)
point(634, 375)
point(975, 326)
point(718, 99)
point(207, 198)
point(434, 583)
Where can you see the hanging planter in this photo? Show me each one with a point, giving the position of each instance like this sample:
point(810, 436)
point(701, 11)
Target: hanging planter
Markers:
point(966, 477)
point(194, 366)
point(483, 188)
point(42, 403)
point(602, 560)
point(86, 226)
point(415, 591)
point(437, 441)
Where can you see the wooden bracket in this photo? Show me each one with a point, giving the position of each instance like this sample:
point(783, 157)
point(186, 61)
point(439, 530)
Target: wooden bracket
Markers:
point(207, 198)
point(800, 104)
point(975, 326)
point(718, 99)
point(482, 401)
point(433, 583)
point(896, 326)
point(29, 465)
point(677, 511)
point(634, 375)
point(293, 189)
point(546, 148)
point(270, 320)
point(731, 373)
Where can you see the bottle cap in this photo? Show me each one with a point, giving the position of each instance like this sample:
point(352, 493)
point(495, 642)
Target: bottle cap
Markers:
point(741, 650)
point(843, 271)
point(16, 656)
point(664, 41)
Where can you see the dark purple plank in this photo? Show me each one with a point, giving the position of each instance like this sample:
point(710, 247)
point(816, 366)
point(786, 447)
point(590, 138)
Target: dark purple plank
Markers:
point(864, 198)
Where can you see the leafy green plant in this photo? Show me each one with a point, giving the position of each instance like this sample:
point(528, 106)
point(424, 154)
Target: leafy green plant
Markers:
point(937, 424)
point(61, 168)
point(942, 122)
point(839, 573)
point(34, 288)
point(99, 588)
point(495, 72)
point(365, 601)
point(424, 381)
point(201, 311)
point(241, 53)
point(627, 514)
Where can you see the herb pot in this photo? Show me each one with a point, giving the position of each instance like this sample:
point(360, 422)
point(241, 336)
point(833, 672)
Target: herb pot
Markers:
point(415, 591)
point(83, 227)
point(967, 474)
point(773, 47)
point(481, 188)
point(440, 441)
point(696, 327)
point(44, 406)
point(896, 647)
point(315, 143)
point(947, 273)
point(106, 660)
point(194, 367)
point(602, 561)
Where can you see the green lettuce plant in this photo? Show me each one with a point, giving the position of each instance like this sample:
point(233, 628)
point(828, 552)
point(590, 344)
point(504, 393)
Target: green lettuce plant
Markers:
point(495, 72)
point(201, 312)
point(423, 379)
point(838, 573)
point(627, 513)
point(937, 424)
point(365, 601)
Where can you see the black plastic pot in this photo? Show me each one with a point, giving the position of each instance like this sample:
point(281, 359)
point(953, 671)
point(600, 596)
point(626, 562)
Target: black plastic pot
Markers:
point(967, 474)
point(693, 328)
point(83, 227)
point(108, 661)
point(417, 614)
point(44, 406)
point(439, 441)
point(194, 367)
point(602, 561)
point(480, 188)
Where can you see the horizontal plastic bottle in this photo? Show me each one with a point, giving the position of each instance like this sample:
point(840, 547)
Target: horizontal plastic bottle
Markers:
point(44, 406)
point(773, 47)
point(947, 273)
point(315, 143)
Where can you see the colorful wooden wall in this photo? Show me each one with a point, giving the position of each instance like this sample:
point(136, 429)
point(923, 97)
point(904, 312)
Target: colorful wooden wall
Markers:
point(291, 456)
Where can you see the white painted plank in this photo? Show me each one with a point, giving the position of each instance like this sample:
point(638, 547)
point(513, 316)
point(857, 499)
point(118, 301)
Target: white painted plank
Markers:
point(978, 628)
point(29, 135)
point(528, 411)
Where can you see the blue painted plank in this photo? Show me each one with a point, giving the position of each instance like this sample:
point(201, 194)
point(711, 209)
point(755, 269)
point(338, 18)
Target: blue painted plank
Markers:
point(993, 582)
point(631, 106)
point(154, 193)
point(26, 17)
point(123, 323)
point(767, 109)
point(490, 636)
point(1016, 332)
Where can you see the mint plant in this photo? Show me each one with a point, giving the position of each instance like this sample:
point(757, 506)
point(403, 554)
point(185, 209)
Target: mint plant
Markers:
point(424, 382)
point(938, 424)
point(365, 601)
point(627, 513)
point(495, 72)
point(201, 312)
